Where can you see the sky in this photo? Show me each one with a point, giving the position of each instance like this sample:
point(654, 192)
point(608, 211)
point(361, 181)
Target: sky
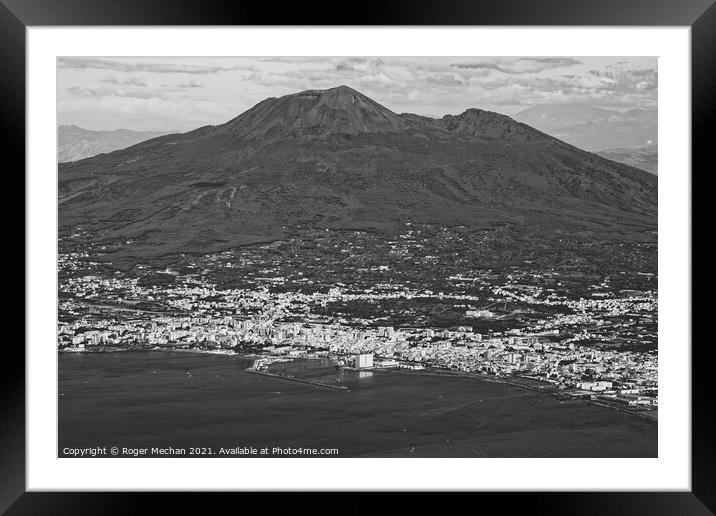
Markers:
point(183, 93)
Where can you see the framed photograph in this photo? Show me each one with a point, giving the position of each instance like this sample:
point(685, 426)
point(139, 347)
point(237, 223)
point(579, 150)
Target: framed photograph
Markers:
point(408, 250)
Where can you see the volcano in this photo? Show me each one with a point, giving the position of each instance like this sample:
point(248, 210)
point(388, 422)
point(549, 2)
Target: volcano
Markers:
point(337, 159)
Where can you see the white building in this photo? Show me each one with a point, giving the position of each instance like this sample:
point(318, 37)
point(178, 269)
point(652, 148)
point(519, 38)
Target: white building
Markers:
point(363, 361)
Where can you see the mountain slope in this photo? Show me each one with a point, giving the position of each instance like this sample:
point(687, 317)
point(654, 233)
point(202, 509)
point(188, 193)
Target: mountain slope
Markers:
point(75, 143)
point(592, 128)
point(336, 159)
point(315, 112)
point(645, 158)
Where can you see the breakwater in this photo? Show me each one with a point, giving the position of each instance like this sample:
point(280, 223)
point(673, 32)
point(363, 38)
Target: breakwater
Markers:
point(299, 380)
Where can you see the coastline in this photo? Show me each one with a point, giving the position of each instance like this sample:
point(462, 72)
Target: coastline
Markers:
point(117, 399)
point(432, 371)
point(546, 389)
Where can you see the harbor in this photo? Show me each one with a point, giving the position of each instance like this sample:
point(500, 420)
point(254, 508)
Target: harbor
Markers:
point(379, 415)
point(253, 370)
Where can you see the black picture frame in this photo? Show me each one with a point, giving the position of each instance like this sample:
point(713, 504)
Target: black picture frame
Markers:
point(17, 15)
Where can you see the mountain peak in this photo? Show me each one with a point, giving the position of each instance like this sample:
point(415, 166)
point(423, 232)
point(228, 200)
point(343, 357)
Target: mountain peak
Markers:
point(488, 124)
point(280, 166)
point(339, 110)
point(345, 111)
point(336, 90)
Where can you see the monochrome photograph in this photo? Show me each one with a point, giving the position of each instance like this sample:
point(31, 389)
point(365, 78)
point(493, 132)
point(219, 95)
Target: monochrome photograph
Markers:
point(355, 257)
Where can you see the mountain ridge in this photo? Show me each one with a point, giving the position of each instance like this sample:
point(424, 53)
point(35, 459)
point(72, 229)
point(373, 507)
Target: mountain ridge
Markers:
point(75, 143)
point(593, 128)
point(343, 110)
point(337, 159)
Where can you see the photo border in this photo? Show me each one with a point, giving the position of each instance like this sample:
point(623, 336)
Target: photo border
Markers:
point(17, 15)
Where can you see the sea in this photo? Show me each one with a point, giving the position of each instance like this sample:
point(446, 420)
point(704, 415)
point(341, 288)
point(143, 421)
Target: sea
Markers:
point(211, 404)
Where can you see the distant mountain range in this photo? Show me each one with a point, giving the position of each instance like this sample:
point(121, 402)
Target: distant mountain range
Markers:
point(337, 159)
point(75, 143)
point(593, 128)
point(645, 158)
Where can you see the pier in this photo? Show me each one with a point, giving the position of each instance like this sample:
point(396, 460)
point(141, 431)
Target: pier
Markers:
point(300, 380)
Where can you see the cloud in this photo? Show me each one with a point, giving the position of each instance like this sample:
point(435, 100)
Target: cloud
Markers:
point(630, 80)
point(85, 63)
point(446, 80)
point(190, 84)
point(103, 92)
point(423, 85)
point(292, 60)
point(518, 66)
point(607, 88)
point(132, 81)
point(359, 64)
point(405, 84)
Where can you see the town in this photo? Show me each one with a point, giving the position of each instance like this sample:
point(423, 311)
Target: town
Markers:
point(505, 325)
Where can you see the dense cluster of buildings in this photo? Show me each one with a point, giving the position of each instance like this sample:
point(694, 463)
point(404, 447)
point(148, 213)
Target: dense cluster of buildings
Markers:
point(628, 376)
point(113, 312)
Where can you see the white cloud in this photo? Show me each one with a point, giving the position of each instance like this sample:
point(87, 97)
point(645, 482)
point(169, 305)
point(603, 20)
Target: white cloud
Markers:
point(431, 85)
